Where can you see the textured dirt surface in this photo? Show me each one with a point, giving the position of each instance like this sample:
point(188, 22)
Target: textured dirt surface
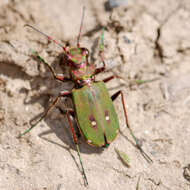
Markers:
point(144, 40)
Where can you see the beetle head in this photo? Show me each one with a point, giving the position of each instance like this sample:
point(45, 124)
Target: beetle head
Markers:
point(78, 57)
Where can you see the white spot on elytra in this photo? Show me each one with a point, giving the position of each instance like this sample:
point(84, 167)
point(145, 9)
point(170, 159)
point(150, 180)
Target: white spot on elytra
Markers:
point(93, 123)
point(89, 141)
point(107, 118)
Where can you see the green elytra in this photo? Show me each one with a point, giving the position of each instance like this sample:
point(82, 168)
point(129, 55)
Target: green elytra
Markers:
point(98, 123)
point(93, 108)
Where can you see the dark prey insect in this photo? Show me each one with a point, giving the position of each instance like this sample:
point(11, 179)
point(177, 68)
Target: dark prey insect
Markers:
point(93, 107)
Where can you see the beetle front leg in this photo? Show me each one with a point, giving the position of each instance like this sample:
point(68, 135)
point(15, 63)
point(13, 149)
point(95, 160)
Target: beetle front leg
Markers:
point(59, 77)
point(62, 94)
point(68, 113)
point(148, 159)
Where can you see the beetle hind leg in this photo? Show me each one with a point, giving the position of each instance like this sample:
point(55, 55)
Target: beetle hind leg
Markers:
point(68, 113)
point(113, 97)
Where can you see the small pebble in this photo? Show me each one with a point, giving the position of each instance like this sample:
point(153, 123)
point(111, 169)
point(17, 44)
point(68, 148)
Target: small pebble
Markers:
point(110, 4)
point(117, 3)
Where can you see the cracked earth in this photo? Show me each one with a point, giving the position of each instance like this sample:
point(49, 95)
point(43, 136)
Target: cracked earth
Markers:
point(145, 40)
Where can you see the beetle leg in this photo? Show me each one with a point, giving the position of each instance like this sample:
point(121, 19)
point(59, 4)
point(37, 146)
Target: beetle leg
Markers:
point(60, 77)
point(111, 77)
point(99, 70)
point(76, 144)
point(108, 79)
point(128, 126)
point(62, 94)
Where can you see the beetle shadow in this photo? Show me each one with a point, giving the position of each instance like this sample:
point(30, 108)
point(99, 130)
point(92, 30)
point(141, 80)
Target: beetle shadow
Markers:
point(67, 147)
point(62, 130)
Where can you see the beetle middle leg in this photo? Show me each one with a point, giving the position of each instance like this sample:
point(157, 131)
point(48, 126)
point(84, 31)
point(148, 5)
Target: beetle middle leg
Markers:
point(62, 94)
point(111, 77)
point(113, 97)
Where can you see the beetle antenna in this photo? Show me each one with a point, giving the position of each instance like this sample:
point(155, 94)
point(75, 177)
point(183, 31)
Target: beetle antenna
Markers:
point(48, 37)
point(101, 47)
point(81, 24)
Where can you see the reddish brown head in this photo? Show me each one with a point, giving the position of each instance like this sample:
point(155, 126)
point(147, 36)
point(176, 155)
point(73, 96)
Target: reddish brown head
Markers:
point(78, 57)
point(80, 69)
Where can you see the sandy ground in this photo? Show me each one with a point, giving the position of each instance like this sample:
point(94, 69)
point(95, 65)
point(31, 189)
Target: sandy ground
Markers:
point(144, 40)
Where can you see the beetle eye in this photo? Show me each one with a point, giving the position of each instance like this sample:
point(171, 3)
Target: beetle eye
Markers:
point(86, 52)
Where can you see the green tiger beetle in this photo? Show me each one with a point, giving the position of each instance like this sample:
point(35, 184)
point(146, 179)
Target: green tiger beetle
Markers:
point(93, 110)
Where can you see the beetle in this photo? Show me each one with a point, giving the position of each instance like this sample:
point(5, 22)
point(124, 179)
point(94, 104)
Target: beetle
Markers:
point(93, 111)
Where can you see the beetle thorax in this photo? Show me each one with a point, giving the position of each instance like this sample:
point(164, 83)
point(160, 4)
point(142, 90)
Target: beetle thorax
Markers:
point(81, 71)
point(83, 75)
